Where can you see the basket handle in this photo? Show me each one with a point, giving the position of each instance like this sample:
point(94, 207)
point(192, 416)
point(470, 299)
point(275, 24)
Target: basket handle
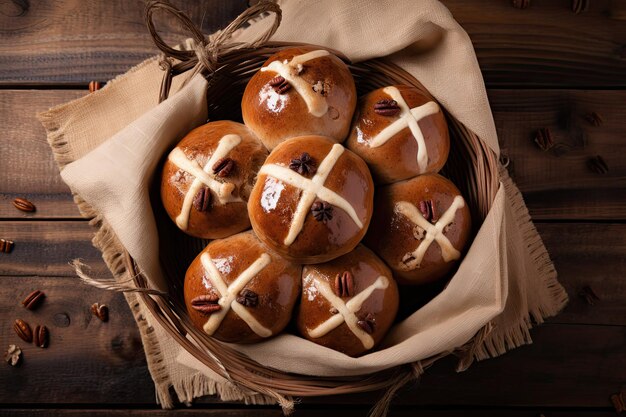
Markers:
point(204, 56)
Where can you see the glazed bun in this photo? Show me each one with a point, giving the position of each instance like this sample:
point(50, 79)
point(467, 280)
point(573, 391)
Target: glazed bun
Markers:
point(348, 304)
point(420, 228)
point(300, 91)
point(237, 291)
point(400, 133)
point(207, 179)
point(312, 201)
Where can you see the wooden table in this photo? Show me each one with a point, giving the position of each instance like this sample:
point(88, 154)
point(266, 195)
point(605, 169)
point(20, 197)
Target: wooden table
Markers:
point(544, 67)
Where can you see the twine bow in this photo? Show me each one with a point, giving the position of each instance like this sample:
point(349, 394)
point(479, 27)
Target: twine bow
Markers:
point(204, 55)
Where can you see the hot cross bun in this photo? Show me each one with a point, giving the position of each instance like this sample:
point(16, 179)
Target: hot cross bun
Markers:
point(207, 179)
point(312, 201)
point(238, 291)
point(400, 133)
point(348, 304)
point(420, 228)
point(300, 91)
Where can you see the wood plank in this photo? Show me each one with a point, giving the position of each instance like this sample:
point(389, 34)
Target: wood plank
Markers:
point(539, 369)
point(554, 188)
point(27, 165)
point(545, 45)
point(90, 362)
point(593, 255)
point(585, 254)
point(566, 366)
point(76, 42)
point(86, 362)
point(301, 411)
point(564, 187)
point(46, 248)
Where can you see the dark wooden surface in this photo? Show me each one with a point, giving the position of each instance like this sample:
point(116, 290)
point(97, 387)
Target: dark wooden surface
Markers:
point(544, 67)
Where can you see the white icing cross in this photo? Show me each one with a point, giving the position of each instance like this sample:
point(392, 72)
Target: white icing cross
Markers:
point(408, 118)
point(347, 310)
point(204, 176)
point(315, 102)
point(228, 294)
point(433, 233)
point(311, 189)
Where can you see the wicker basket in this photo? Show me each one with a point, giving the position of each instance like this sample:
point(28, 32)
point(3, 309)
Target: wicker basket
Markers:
point(472, 166)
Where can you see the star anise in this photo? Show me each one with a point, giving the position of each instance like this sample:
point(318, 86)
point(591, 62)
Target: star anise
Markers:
point(248, 298)
point(322, 211)
point(303, 165)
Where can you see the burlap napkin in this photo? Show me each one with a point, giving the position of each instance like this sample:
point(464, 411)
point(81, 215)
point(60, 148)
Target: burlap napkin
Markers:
point(108, 145)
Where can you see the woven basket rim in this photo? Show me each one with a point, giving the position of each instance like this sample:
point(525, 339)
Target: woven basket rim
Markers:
point(244, 371)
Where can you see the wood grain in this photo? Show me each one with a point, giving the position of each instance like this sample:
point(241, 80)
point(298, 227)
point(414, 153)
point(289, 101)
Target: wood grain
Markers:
point(46, 248)
point(544, 374)
point(588, 254)
point(585, 254)
point(76, 41)
point(86, 362)
point(554, 188)
point(27, 166)
point(566, 365)
point(594, 335)
point(546, 44)
point(564, 187)
point(301, 411)
point(95, 368)
point(73, 42)
point(92, 362)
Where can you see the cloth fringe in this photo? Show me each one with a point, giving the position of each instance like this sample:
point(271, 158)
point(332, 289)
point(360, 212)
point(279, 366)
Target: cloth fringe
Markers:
point(198, 385)
point(492, 341)
point(56, 139)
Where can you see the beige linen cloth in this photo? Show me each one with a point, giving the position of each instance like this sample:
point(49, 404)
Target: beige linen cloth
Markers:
point(108, 145)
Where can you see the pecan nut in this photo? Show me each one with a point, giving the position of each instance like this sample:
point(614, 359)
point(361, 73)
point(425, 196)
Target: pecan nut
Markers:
point(94, 86)
point(598, 165)
point(206, 304)
point(579, 6)
point(589, 295)
point(344, 284)
point(101, 311)
point(41, 336)
point(223, 167)
point(618, 402)
point(6, 246)
point(279, 84)
point(24, 205)
point(594, 119)
point(248, 298)
point(33, 300)
point(521, 4)
point(386, 107)
point(428, 210)
point(543, 139)
point(23, 330)
point(202, 200)
point(367, 323)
